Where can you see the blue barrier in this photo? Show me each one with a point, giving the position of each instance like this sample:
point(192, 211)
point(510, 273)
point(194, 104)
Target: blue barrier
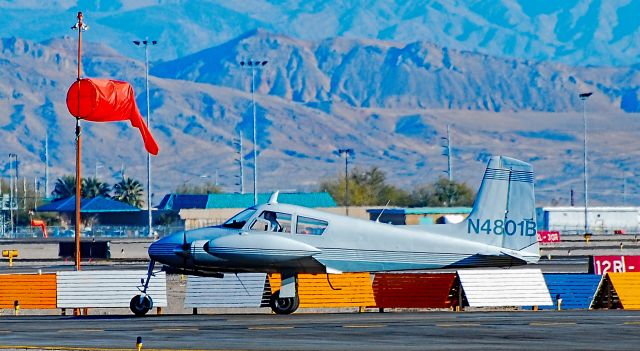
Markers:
point(575, 289)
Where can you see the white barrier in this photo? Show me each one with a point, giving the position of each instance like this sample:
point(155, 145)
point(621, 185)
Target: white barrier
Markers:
point(96, 289)
point(243, 290)
point(500, 287)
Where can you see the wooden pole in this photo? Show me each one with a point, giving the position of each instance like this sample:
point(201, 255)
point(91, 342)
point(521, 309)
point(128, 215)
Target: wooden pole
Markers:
point(78, 145)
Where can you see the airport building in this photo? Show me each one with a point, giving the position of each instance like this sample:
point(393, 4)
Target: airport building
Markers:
point(419, 215)
point(601, 220)
point(212, 209)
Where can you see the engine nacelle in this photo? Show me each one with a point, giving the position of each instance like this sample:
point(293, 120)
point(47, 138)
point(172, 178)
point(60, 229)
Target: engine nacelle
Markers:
point(259, 248)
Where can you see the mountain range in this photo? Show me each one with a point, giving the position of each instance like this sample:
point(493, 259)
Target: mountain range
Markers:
point(573, 32)
point(329, 85)
point(316, 108)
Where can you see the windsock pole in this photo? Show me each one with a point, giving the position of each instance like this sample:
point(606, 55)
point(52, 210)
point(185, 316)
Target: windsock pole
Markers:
point(80, 27)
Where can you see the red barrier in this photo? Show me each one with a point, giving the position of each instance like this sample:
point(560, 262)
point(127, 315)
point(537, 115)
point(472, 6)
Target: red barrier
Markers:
point(41, 224)
point(615, 264)
point(414, 290)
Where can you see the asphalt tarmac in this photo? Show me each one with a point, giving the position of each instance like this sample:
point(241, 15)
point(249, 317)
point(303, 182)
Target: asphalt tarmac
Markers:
point(514, 330)
point(577, 264)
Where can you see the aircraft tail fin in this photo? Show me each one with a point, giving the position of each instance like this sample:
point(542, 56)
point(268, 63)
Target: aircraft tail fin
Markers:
point(504, 213)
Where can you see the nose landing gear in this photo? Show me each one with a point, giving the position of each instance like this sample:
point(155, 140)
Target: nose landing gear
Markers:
point(142, 303)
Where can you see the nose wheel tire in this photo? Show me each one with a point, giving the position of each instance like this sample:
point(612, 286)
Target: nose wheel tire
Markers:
point(140, 305)
point(285, 305)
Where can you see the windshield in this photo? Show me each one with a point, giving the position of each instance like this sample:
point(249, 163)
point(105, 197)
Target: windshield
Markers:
point(238, 221)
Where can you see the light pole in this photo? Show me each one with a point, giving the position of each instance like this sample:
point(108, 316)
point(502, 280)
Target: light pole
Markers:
point(13, 189)
point(98, 165)
point(46, 165)
point(447, 152)
point(254, 64)
point(347, 153)
point(241, 162)
point(584, 97)
point(146, 42)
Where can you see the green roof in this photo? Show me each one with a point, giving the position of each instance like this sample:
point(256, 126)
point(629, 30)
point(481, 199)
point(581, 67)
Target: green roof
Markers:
point(246, 200)
point(423, 210)
point(437, 210)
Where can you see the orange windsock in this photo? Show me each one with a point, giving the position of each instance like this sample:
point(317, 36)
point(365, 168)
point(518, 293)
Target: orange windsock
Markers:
point(105, 100)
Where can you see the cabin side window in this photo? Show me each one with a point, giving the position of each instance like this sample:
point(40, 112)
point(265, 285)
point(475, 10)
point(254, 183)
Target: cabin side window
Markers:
point(271, 221)
point(310, 226)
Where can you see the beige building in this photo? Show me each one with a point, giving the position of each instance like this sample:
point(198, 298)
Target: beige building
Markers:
point(198, 218)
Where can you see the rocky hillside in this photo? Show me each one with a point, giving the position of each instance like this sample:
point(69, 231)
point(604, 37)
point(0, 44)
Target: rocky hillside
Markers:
point(395, 75)
point(577, 33)
point(314, 108)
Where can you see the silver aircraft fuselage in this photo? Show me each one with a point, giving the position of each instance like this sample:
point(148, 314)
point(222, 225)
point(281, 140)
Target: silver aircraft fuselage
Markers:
point(345, 245)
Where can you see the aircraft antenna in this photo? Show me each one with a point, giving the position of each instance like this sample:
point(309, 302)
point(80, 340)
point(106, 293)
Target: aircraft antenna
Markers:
point(274, 197)
point(380, 214)
point(241, 283)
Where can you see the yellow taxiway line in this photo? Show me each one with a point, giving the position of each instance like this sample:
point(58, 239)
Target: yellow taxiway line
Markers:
point(542, 324)
point(71, 348)
point(270, 328)
point(448, 325)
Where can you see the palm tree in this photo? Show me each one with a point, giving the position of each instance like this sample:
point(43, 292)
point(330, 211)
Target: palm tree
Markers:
point(65, 187)
point(92, 187)
point(130, 191)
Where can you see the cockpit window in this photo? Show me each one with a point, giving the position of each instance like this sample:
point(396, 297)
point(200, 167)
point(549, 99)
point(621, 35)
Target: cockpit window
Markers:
point(238, 221)
point(270, 221)
point(310, 226)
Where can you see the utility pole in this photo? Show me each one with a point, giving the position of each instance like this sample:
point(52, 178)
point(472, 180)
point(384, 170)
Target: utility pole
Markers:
point(253, 65)
point(584, 97)
point(14, 203)
point(447, 152)
point(146, 42)
point(12, 189)
point(347, 153)
point(241, 161)
point(24, 193)
point(572, 201)
point(624, 189)
point(98, 165)
point(2, 220)
point(36, 190)
point(46, 165)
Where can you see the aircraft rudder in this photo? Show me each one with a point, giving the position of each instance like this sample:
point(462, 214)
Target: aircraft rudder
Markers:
point(504, 211)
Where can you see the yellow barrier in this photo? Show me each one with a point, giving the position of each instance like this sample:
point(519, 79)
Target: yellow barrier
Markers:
point(20, 291)
point(315, 290)
point(627, 287)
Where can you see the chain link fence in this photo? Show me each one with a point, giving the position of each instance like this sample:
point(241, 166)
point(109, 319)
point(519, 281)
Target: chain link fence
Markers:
point(98, 231)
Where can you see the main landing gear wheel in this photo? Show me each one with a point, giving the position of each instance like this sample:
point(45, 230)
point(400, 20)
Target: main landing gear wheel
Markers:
point(285, 305)
point(141, 304)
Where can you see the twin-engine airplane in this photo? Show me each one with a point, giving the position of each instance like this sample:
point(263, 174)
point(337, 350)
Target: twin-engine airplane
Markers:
point(287, 239)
